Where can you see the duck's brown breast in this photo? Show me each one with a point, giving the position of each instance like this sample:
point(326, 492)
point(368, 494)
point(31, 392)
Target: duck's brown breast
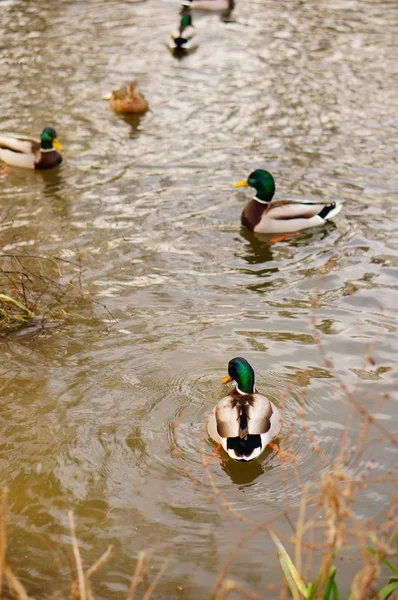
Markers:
point(252, 213)
point(48, 160)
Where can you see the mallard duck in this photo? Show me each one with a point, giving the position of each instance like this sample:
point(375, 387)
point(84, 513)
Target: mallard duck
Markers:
point(128, 99)
point(265, 215)
point(31, 153)
point(182, 38)
point(244, 422)
point(217, 5)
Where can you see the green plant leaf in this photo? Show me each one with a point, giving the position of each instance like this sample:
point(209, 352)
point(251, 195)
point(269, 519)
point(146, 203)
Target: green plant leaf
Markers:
point(394, 535)
point(287, 564)
point(329, 583)
point(384, 560)
point(335, 591)
point(388, 589)
point(17, 303)
point(311, 591)
point(289, 578)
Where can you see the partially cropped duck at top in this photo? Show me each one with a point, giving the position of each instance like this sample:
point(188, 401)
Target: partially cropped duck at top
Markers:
point(244, 422)
point(263, 214)
point(217, 5)
point(128, 99)
point(31, 153)
point(182, 38)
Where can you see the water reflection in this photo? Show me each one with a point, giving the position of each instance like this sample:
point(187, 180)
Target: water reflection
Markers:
point(134, 122)
point(181, 53)
point(54, 183)
point(244, 474)
point(258, 250)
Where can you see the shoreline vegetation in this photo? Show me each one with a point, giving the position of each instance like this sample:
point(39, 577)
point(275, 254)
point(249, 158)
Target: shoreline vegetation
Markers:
point(326, 529)
point(39, 291)
point(36, 290)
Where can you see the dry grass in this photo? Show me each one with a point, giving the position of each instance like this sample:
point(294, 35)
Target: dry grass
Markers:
point(80, 585)
point(36, 289)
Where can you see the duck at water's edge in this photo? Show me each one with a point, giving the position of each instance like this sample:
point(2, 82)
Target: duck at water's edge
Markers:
point(31, 153)
point(244, 422)
point(265, 215)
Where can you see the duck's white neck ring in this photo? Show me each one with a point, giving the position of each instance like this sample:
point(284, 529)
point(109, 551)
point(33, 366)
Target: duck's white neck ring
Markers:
point(47, 149)
point(244, 393)
point(260, 201)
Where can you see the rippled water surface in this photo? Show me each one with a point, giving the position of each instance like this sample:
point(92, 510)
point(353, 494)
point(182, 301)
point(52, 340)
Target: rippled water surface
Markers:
point(305, 89)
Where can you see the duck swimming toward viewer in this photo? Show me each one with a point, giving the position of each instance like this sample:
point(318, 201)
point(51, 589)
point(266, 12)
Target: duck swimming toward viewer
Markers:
point(128, 99)
point(182, 38)
point(262, 214)
point(244, 422)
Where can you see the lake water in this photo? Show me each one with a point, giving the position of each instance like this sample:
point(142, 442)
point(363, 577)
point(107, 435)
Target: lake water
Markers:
point(307, 90)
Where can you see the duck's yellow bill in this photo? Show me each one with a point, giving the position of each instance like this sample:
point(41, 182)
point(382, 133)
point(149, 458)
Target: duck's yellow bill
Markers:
point(227, 379)
point(57, 144)
point(243, 183)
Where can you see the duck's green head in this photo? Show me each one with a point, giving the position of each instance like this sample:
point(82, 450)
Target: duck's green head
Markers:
point(241, 371)
point(48, 139)
point(186, 21)
point(262, 182)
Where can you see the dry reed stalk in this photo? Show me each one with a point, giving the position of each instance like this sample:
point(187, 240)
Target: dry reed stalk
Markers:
point(61, 555)
point(298, 536)
point(230, 585)
point(364, 431)
point(83, 591)
point(156, 580)
point(3, 534)
point(98, 563)
point(176, 451)
point(139, 574)
point(226, 586)
point(15, 587)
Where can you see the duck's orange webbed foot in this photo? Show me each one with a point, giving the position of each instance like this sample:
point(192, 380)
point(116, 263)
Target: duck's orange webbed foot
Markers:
point(217, 450)
point(285, 236)
point(4, 171)
point(282, 454)
point(215, 456)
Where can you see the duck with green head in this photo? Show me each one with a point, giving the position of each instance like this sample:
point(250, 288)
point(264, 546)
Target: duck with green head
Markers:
point(182, 38)
point(244, 422)
point(31, 153)
point(263, 214)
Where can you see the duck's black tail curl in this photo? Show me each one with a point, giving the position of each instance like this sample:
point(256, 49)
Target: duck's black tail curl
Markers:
point(244, 446)
point(326, 210)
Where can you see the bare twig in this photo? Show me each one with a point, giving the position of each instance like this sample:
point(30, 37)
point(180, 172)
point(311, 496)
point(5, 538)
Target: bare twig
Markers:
point(3, 534)
point(99, 563)
point(156, 580)
point(139, 574)
point(78, 559)
point(16, 588)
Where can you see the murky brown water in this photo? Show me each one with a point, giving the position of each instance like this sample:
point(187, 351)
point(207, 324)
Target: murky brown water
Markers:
point(307, 89)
